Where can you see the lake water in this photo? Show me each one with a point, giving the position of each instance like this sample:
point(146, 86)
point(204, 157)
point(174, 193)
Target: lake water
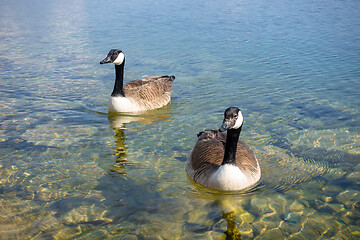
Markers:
point(70, 171)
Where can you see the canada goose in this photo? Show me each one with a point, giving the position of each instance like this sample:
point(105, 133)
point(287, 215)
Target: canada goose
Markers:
point(138, 95)
point(220, 161)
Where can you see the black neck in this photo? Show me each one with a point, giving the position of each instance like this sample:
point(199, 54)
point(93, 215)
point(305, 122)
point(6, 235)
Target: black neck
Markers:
point(232, 139)
point(119, 81)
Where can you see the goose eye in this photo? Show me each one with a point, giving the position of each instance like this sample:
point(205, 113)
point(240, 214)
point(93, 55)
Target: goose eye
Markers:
point(113, 57)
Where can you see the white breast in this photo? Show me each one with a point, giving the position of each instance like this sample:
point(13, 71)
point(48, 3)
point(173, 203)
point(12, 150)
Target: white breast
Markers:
point(229, 177)
point(123, 104)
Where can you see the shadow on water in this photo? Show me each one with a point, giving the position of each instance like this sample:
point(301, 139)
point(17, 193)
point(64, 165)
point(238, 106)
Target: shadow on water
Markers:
point(321, 111)
point(329, 116)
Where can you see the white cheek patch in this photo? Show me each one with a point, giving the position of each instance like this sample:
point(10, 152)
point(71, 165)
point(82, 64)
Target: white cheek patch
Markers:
point(239, 121)
point(120, 59)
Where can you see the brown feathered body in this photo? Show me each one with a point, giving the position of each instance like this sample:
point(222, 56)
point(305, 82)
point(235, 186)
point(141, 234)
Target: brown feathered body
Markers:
point(205, 167)
point(142, 95)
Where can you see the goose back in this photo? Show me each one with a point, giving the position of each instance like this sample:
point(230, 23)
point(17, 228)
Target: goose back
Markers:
point(150, 93)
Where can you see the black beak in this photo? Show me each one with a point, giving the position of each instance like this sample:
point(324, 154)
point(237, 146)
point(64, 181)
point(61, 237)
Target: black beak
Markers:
point(225, 126)
point(106, 60)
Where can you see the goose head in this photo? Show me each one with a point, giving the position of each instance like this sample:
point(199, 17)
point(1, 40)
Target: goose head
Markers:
point(114, 56)
point(233, 119)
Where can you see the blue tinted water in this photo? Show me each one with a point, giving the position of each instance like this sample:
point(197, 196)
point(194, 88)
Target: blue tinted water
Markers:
point(68, 170)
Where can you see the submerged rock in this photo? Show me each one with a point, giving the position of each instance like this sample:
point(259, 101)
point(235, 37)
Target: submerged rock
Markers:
point(259, 227)
point(274, 233)
point(293, 217)
point(354, 177)
point(246, 217)
point(326, 199)
point(313, 227)
point(336, 207)
point(332, 189)
point(290, 228)
point(348, 197)
point(328, 115)
point(260, 206)
point(86, 214)
point(296, 206)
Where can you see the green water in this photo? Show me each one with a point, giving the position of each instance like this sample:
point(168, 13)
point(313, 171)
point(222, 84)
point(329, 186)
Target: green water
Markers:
point(70, 171)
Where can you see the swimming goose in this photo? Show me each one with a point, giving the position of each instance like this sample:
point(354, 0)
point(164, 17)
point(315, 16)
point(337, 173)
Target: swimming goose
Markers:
point(138, 95)
point(220, 161)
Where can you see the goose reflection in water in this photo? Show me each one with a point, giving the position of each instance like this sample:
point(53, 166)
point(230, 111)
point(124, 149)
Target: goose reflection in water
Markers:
point(229, 215)
point(226, 216)
point(217, 225)
point(118, 123)
point(120, 151)
point(231, 231)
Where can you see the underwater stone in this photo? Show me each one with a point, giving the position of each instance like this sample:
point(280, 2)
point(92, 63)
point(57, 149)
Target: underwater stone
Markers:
point(346, 219)
point(86, 214)
point(279, 203)
point(260, 206)
point(333, 226)
point(354, 176)
point(357, 168)
point(247, 233)
point(275, 233)
point(44, 224)
point(331, 189)
point(348, 197)
point(351, 232)
point(316, 204)
point(292, 217)
point(320, 225)
point(337, 207)
point(356, 233)
point(259, 227)
point(271, 220)
point(290, 227)
point(28, 193)
point(308, 195)
point(326, 199)
point(334, 174)
point(313, 227)
point(247, 217)
point(353, 214)
point(65, 233)
point(296, 206)
point(97, 234)
point(342, 237)
point(44, 194)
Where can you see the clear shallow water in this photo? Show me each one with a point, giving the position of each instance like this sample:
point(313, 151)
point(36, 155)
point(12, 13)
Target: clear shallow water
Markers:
point(68, 170)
